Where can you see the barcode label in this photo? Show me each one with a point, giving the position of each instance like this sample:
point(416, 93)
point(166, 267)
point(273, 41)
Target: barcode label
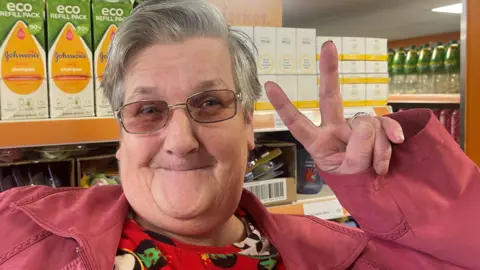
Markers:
point(268, 191)
point(330, 209)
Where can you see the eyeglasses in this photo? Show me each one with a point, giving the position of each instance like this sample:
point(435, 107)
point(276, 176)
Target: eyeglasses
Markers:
point(147, 116)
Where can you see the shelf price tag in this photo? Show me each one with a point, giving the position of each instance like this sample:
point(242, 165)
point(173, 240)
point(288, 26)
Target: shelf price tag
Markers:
point(330, 209)
point(278, 122)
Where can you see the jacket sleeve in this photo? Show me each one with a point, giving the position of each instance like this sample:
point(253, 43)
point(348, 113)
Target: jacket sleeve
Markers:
point(424, 212)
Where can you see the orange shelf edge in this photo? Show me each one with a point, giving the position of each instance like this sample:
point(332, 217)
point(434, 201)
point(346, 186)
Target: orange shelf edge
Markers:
point(424, 98)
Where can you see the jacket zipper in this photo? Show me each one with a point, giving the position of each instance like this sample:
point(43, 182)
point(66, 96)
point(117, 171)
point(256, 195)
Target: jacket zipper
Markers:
point(83, 258)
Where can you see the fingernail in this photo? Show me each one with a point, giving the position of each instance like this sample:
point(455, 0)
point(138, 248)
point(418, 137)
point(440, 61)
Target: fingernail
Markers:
point(401, 137)
point(365, 130)
point(326, 42)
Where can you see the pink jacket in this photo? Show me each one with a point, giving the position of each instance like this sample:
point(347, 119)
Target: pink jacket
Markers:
point(423, 215)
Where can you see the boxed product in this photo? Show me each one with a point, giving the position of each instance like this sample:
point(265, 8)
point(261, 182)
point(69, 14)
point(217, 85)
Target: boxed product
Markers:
point(265, 40)
point(107, 15)
point(376, 49)
point(353, 89)
point(353, 49)
point(263, 103)
point(338, 44)
point(377, 89)
point(376, 66)
point(307, 97)
point(352, 67)
point(70, 63)
point(23, 85)
point(286, 51)
point(289, 84)
point(306, 51)
point(248, 31)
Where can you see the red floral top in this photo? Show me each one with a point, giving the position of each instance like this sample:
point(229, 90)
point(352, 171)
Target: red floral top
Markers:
point(140, 249)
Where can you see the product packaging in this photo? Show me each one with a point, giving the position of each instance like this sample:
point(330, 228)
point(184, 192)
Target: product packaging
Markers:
point(377, 89)
point(70, 63)
point(263, 103)
point(289, 84)
point(353, 67)
point(307, 92)
point(376, 49)
point(306, 51)
point(265, 40)
point(353, 49)
point(23, 82)
point(353, 89)
point(286, 51)
point(107, 16)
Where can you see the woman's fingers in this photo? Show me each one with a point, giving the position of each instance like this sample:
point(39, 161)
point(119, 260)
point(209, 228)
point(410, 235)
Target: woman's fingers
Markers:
point(299, 125)
point(359, 151)
point(331, 103)
point(392, 129)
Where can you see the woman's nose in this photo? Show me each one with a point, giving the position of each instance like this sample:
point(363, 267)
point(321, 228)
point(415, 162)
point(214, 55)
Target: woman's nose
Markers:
point(180, 139)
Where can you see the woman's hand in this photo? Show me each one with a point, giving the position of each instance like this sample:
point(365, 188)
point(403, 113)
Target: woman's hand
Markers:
point(338, 145)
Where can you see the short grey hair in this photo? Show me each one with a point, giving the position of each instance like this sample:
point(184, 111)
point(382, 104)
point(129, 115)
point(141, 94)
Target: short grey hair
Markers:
point(168, 21)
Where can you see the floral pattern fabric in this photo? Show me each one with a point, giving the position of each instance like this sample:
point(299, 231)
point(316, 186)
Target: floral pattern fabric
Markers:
point(140, 249)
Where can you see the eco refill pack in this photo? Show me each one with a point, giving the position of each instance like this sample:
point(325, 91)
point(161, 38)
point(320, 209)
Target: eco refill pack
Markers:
point(107, 15)
point(70, 58)
point(23, 85)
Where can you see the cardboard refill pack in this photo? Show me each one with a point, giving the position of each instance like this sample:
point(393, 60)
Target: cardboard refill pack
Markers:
point(107, 16)
point(70, 61)
point(265, 41)
point(353, 89)
point(377, 89)
point(263, 103)
point(23, 85)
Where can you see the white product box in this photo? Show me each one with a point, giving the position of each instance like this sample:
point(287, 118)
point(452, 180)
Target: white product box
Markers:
point(77, 102)
point(353, 49)
point(377, 89)
point(376, 49)
point(265, 40)
point(338, 43)
point(353, 67)
point(376, 66)
point(289, 84)
point(19, 103)
point(286, 51)
point(306, 51)
point(307, 95)
point(248, 30)
point(353, 89)
point(263, 103)
point(102, 105)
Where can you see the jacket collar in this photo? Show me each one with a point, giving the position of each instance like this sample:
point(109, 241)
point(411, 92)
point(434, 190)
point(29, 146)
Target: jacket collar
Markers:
point(94, 217)
point(306, 242)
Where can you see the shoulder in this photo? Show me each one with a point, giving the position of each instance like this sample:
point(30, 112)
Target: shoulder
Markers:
point(29, 194)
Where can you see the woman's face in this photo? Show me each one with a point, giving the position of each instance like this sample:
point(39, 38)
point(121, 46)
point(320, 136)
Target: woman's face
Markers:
point(187, 177)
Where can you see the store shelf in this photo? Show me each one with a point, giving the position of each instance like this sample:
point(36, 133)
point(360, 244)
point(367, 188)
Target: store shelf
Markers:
point(324, 205)
point(425, 98)
point(106, 129)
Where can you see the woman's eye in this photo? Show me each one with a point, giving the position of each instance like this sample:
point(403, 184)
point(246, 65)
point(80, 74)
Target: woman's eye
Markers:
point(210, 103)
point(148, 110)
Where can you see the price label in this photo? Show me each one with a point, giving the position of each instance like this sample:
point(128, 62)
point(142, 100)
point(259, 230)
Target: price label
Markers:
point(330, 209)
point(278, 122)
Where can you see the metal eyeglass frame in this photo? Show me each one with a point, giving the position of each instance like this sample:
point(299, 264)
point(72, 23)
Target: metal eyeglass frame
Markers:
point(117, 113)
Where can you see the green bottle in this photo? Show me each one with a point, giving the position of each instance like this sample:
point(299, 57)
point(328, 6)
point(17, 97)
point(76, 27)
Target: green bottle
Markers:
point(410, 69)
point(452, 67)
point(398, 71)
point(391, 54)
point(437, 65)
point(424, 71)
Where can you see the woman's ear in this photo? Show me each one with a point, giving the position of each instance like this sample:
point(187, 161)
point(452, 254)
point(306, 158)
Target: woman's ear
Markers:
point(250, 131)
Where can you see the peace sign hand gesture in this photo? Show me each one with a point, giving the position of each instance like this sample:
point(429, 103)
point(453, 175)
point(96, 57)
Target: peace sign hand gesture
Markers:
point(337, 145)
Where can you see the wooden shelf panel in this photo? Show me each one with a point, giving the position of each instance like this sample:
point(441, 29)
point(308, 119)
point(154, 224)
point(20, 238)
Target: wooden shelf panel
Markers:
point(106, 129)
point(425, 98)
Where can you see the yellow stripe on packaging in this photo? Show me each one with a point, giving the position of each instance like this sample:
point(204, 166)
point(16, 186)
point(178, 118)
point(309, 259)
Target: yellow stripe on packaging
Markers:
point(376, 102)
point(353, 80)
point(353, 57)
point(378, 80)
point(318, 57)
point(356, 103)
point(372, 57)
point(307, 104)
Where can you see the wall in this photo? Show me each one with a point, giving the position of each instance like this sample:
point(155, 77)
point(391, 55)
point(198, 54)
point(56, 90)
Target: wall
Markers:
point(417, 41)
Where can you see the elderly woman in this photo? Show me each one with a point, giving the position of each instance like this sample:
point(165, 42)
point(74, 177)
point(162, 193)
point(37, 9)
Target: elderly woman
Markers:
point(183, 85)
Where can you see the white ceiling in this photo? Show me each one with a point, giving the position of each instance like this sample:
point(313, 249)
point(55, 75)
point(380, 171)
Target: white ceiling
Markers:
point(392, 19)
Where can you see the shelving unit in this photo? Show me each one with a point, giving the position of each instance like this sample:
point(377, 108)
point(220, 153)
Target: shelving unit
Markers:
point(50, 132)
point(425, 98)
point(324, 205)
